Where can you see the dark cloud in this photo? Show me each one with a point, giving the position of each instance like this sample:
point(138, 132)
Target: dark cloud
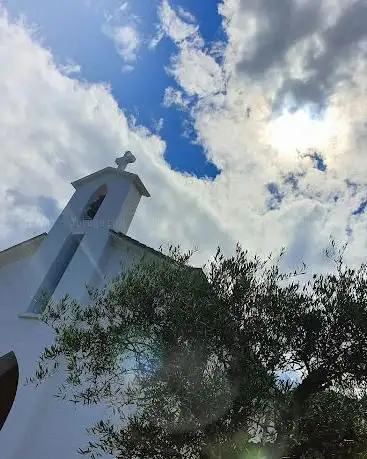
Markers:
point(350, 28)
point(283, 24)
point(340, 43)
point(296, 93)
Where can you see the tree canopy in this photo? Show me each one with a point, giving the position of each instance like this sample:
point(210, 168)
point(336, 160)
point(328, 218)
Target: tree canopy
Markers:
point(235, 360)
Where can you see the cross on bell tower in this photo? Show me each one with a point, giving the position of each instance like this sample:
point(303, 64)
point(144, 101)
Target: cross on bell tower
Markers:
point(123, 161)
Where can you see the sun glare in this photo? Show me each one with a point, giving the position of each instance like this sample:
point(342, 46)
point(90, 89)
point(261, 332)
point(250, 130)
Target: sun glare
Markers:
point(296, 132)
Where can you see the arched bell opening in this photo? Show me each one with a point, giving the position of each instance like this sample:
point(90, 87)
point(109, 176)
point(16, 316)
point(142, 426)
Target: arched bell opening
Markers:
point(94, 203)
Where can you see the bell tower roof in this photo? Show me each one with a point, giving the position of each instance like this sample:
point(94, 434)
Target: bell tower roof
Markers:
point(118, 171)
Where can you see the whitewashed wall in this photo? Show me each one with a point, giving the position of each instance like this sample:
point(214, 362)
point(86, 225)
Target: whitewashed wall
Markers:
point(39, 425)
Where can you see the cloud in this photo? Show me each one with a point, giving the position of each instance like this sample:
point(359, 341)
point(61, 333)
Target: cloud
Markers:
point(197, 72)
point(127, 41)
point(127, 68)
point(70, 68)
point(186, 15)
point(123, 28)
point(174, 97)
point(278, 26)
point(327, 33)
point(123, 7)
point(194, 70)
point(172, 25)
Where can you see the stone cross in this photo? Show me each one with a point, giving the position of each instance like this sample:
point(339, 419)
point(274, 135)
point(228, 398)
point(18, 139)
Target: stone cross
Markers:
point(123, 161)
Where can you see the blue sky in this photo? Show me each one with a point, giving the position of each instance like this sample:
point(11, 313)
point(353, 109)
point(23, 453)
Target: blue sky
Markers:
point(74, 33)
point(245, 117)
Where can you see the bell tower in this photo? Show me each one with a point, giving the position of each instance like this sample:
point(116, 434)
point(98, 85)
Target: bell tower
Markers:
point(72, 252)
point(107, 198)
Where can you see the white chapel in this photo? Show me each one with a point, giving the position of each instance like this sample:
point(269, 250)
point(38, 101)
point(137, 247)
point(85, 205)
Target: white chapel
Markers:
point(87, 245)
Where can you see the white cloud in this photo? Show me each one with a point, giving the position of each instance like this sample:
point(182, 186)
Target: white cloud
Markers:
point(172, 25)
point(123, 7)
point(127, 68)
point(197, 72)
point(154, 42)
point(70, 68)
point(122, 27)
point(127, 41)
point(158, 125)
point(186, 15)
point(174, 97)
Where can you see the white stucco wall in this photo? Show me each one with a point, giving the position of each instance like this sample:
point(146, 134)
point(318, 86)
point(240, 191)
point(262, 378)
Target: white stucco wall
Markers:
point(39, 425)
point(17, 280)
point(12, 281)
point(120, 254)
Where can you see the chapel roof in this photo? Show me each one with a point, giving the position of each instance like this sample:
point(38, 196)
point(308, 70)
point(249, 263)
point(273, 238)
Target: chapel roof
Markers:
point(21, 250)
point(29, 247)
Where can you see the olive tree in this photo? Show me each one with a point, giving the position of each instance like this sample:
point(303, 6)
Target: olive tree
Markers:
point(235, 360)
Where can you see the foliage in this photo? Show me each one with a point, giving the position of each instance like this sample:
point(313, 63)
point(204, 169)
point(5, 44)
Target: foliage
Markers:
point(193, 362)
